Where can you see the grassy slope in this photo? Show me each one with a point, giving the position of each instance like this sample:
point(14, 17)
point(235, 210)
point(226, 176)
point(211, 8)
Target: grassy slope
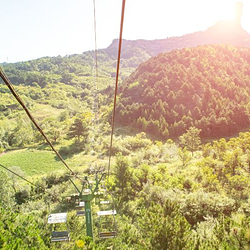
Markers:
point(32, 162)
point(38, 162)
point(41, 111)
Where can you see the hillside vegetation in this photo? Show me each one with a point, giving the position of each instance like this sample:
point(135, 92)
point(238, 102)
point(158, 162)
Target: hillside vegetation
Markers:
point(169, 194)
point(206, 87)
point(166, 198)
point(56, 90)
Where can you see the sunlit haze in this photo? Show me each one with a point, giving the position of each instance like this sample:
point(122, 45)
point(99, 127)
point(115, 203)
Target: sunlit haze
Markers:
point(32, 29)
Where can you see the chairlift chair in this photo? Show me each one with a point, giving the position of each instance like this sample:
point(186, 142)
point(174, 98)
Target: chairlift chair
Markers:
point(58, 236)
point(74, 199)
point(80, 209)
point(104, 202)
point(107, 224)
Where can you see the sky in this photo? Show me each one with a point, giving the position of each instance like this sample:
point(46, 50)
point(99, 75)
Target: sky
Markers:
point(32, 29)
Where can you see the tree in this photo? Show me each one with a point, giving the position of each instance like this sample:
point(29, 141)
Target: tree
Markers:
point(163, 227)
point(14, 178)
point(3, 140)
point(22, 134)
point(122, 174)
point(191, 139)
point(184, 156)
point(77, 130)
point(6, 191)
point(51, 127)
point(232, 161)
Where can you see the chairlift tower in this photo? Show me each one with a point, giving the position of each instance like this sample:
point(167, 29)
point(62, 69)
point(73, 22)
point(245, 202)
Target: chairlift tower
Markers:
point(83, 197)
point(87, 194)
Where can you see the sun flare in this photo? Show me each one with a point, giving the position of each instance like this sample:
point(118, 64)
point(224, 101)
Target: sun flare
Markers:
point(222, 9)
point(225, 10)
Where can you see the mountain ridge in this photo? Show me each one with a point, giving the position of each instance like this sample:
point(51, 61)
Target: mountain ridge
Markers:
point(226, 32)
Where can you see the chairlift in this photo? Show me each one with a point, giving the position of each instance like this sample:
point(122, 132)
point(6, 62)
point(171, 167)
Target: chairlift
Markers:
point(62, 235)
point(106, 224)
point(80, 209)
point(98, 196)
point(104, 202)
point(74, 199)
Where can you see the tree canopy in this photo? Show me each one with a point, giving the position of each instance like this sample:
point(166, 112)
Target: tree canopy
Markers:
point(206, 87)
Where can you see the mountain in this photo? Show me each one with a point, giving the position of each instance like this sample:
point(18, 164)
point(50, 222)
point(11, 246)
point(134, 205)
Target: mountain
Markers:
point(206, 87)
point(223, 32)
point(68, 82)
point(64, 69)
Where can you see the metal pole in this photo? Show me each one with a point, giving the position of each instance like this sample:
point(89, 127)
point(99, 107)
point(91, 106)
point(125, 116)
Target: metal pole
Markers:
point(88, 217)
point(87, 204)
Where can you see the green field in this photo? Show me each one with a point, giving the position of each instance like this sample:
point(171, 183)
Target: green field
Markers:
point(32, 162)
point(39, 162)
point(42, 111)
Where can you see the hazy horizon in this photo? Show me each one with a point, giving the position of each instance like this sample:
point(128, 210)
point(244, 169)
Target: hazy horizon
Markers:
point(35, 29)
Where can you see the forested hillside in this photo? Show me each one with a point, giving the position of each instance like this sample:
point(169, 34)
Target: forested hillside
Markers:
point(206, 87)
point(57, 90)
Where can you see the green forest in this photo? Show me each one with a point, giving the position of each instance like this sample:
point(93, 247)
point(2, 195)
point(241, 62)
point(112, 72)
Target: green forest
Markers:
point(180, 166)
point(206, 87)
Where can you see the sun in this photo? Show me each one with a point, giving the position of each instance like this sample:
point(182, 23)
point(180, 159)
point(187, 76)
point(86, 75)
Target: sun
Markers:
point(238, 11)
point(196, 15)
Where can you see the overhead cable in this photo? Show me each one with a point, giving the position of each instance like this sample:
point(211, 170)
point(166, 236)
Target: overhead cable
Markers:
point(95, 38)
point(116, 85)
point(96, 96)
point(19, 176)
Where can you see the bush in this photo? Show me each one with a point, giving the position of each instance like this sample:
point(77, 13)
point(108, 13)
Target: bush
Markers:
point(72, 149)
point(22, 196)
point(199, 205)
point(55, 179)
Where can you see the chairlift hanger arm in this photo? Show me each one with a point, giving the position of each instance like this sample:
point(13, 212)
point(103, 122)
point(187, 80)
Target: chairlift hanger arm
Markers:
point(98, 182)
point(78, 190)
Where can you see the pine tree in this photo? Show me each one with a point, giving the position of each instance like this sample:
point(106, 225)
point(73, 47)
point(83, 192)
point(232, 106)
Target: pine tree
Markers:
point(191, 139)
point(78, 130)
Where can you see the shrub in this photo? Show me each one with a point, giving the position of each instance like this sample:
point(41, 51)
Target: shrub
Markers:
point(199, 205)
